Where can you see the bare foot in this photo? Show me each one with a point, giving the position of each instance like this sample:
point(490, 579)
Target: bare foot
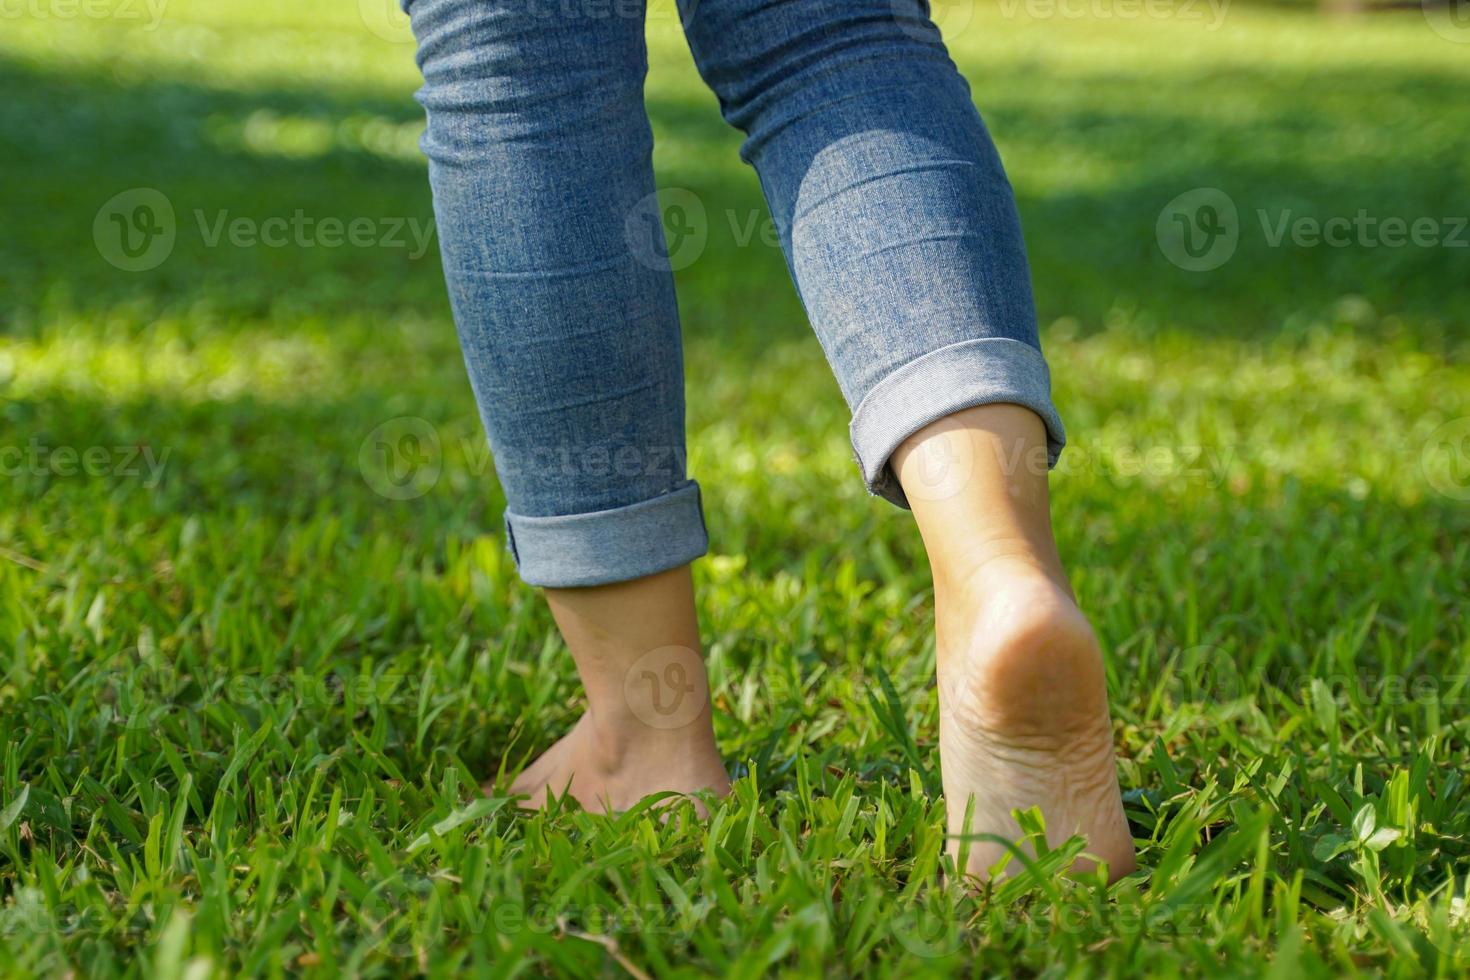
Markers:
point(606, 771)
point(648, 726)
point(1024, 717)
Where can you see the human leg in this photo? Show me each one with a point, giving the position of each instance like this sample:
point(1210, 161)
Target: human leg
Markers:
point(901, 232)
point(540, 161)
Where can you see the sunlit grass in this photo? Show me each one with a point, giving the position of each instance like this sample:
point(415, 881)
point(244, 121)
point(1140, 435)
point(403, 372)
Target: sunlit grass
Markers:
point(247, 700)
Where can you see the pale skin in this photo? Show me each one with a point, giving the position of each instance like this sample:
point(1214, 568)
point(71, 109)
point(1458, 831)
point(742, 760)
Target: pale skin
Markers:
point(1023, 704)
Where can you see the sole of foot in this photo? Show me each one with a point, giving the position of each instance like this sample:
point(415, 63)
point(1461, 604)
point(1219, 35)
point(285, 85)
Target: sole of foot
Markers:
point(580, 765)
point(1024, 720)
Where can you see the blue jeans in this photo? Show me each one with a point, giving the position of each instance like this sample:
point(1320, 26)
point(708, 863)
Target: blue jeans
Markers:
point(897, 221)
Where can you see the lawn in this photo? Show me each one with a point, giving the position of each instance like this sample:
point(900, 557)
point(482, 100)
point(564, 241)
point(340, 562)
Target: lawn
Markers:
point(253, 670)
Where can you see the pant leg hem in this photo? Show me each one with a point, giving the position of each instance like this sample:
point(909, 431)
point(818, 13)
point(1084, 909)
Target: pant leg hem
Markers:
point(959, 376)
point(608, 546)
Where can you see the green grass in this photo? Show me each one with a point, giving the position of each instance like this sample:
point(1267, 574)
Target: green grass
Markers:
point(246, 701)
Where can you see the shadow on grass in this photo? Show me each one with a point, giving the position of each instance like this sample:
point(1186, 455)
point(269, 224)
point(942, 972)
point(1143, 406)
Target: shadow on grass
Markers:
point(73, 139)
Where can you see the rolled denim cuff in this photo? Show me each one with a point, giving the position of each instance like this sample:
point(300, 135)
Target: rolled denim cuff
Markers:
point(940, 383)
point(608, 546)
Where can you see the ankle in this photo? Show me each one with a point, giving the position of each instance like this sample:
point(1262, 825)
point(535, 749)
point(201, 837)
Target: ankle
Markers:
point(650, 698)
point(617, 740)
point(984, 560)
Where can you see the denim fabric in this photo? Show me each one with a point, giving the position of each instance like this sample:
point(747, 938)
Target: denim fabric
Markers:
point(897, 221)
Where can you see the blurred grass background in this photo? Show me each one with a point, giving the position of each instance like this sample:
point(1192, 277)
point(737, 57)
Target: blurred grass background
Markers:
point(1264, 505)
